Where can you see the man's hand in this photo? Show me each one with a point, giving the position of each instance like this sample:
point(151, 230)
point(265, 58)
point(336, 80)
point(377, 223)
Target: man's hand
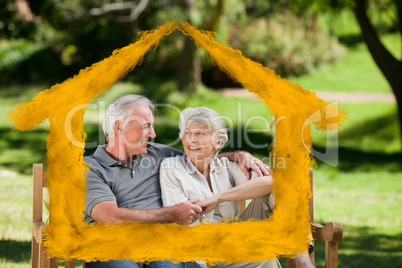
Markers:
point(209, 204)
point(186, 212)
point(247, 161)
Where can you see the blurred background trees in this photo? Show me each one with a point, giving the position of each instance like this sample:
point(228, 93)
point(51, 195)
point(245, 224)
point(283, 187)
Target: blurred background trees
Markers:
point(48, 41)
point(64, 36)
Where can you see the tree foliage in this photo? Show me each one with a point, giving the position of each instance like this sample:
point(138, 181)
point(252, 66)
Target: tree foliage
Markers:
point(80, 32)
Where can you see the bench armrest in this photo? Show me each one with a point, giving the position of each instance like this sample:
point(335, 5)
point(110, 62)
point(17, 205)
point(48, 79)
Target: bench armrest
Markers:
point(37, 231)
point(331, 232)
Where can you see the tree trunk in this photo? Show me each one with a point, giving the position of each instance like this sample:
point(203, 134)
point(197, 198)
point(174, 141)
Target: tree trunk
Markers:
point(185, 79)
point(388, 64)
point(189, 70)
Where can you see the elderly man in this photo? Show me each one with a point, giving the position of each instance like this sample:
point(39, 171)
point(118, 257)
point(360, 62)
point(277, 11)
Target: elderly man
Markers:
point(123, 180)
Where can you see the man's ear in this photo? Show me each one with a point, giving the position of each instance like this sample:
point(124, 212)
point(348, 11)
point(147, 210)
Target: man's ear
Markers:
point(118, 126)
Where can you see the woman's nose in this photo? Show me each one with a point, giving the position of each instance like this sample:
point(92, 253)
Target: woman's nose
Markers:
point(193, 137)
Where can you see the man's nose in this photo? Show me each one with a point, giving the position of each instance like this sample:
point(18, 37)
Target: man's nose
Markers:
point(152, 133)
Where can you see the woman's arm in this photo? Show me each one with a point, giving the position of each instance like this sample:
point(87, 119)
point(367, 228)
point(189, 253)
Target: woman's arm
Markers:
point(246, 162)
point(254, 188)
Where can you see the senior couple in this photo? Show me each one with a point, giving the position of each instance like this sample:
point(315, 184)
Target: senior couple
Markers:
point(133, 179)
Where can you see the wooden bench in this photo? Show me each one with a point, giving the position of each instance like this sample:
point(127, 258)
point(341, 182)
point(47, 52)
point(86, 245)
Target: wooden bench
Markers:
point(331, 233)
point(40, 257)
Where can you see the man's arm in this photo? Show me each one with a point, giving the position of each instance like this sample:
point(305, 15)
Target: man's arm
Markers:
point(183, 213)
point(246, 162)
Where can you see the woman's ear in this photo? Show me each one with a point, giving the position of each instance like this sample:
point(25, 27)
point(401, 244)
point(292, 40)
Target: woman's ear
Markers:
point(218, 144)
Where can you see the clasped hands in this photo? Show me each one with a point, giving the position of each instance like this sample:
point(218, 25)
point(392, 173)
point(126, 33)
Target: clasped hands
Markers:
point(190, 211)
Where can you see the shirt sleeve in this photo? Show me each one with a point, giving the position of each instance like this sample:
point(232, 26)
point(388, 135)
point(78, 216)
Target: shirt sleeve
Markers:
point(97, 190)
point(171, 186)
point(237, 175)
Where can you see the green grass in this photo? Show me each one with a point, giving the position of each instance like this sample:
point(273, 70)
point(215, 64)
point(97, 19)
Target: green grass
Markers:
point(370, 127)
point(15, 220)
point(360, 199)
point(357, 72)
point(366, 203)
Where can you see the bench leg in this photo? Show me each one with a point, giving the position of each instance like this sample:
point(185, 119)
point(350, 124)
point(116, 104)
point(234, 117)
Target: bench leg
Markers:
point(35, 253)
point(45, 260)
point(331, 255)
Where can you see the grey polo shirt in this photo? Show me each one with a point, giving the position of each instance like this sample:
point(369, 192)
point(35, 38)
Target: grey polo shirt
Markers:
point(132, 185)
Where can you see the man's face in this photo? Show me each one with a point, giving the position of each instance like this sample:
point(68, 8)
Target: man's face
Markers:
point(137, 130)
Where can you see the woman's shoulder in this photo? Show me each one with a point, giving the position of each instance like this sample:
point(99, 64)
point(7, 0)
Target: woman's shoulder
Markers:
point(227, 164)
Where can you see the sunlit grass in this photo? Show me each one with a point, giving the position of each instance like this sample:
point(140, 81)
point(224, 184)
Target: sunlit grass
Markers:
point(357, 72)
point(359, 199)
point(370, 127)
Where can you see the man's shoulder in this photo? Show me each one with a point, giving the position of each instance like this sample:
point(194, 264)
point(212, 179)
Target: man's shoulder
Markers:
point(98, 159)
point(91, 160)
point(99, 154)
point(164, 149)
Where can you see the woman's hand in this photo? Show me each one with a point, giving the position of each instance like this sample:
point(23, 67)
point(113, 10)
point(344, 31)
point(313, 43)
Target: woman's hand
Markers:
point(209, 203)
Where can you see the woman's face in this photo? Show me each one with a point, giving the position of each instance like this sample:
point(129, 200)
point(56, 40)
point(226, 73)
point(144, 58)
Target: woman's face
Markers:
point(198, 142)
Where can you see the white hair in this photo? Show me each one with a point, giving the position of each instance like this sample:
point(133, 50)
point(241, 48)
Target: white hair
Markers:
point(203, 116)
point(120, 109)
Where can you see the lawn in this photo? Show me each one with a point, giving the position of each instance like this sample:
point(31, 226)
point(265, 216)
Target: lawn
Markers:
point(356, 72)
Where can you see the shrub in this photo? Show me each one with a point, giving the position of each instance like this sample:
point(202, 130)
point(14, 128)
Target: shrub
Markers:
point(13, 52)
point(290, 45)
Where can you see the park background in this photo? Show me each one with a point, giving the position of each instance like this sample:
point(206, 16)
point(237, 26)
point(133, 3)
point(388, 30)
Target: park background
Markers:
point(317, 44)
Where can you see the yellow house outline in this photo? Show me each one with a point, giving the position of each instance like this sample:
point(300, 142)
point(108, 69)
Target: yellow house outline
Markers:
point(285, 233)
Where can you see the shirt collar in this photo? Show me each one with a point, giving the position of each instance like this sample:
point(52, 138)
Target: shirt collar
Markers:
point(215, 165)
point(101, 154)
point(190, 168)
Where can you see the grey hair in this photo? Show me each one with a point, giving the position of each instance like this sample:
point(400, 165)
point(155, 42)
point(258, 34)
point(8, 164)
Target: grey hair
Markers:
point(203, 116)
point(120, 109)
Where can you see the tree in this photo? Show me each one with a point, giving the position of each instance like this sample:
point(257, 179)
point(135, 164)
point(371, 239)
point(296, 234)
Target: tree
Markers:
point(386, 62)
point(189, 69)
point(390, 66)
point(88, 30)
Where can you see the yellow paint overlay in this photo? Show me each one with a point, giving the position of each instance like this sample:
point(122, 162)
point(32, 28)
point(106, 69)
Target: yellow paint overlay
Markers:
point(286, 233)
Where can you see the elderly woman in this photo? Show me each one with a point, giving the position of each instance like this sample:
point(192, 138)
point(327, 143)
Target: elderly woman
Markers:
point(218, 183)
